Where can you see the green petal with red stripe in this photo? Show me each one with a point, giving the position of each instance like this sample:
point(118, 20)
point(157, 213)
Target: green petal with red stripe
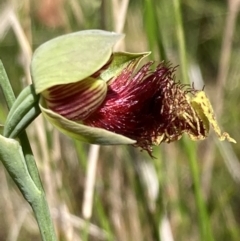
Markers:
point(76, 101)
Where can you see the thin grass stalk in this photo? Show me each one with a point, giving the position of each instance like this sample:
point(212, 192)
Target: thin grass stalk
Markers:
point(205, 228)
point(154, 36)
point(190, 148)
point(103, 218)
point(81, 151)
point(181, 41)
point(153, 31)
point(223, 70)
point(225, 55)
point(23, 42)
point(140, 186)
point(158, 165)
point(90, 181)
point(90, 187)
point(119, 9)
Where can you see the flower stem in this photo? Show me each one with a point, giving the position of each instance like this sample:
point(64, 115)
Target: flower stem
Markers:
point(36, 199)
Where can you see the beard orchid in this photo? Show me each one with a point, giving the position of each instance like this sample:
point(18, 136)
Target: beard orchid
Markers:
point(95, 95)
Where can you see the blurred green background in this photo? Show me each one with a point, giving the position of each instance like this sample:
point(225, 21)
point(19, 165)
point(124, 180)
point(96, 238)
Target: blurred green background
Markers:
point(190, 191)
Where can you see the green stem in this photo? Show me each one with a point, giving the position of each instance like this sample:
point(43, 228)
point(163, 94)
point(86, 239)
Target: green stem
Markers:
point(152, 27)
point(43, 217)
point(6, 87)
point(154, 220)
point(36, 199)
point(204, 223)
point(181, 40)
point(206, 233)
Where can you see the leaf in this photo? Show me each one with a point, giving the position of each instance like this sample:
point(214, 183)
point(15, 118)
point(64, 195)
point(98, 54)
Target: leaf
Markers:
point(23, 111)
point(12, 158)
point(120, 61)
point(71, 57)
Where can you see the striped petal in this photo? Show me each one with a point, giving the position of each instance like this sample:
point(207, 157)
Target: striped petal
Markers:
point(76, 101)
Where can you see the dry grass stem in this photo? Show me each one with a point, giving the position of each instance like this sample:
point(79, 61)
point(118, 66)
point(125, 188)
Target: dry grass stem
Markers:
point(90, 181)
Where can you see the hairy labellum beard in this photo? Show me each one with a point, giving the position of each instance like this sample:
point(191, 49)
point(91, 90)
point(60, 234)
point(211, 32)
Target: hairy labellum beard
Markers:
point(149, 107)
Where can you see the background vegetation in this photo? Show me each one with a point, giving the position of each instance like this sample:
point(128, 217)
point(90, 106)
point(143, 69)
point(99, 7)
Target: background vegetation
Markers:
point(190, 191)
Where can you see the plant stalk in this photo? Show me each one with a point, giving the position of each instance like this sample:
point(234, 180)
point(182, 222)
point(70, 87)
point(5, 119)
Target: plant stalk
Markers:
point(36, 199)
